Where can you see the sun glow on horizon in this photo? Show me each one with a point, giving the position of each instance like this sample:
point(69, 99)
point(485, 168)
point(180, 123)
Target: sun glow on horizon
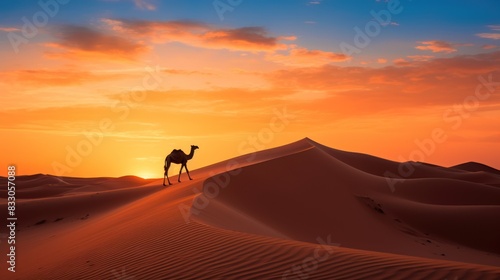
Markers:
point(147, 175)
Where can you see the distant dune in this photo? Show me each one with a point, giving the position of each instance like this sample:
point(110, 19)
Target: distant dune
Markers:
point(476, 167)
point(299, 211)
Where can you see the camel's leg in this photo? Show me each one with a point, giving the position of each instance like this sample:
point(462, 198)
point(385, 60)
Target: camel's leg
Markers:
point(188, 173)
point(180, 171)
point(166, 174)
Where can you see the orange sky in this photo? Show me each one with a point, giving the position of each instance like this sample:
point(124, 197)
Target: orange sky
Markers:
point(113, 99)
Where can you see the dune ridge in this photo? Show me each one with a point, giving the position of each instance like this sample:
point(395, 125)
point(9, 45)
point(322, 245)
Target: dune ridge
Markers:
point(476, 167)
point(301, 206)
point(265, 222)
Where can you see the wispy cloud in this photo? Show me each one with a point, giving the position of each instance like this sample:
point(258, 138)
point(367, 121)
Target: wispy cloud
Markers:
point(437, 46)
point(401, 62)
point(9, 29)
point(82, 42)
point(494, 27)
point(491, 35)
point(305, 96)
point(297, 56)
point(145, 5)
point(51, 77)
point(185, 72)
point(127, 39)
point(58, 77)
point(245, 38)
point(369, 89)
point(420, 57)
point(488, 47)
point(494, 36)
point(393, 23)
point(199, 34)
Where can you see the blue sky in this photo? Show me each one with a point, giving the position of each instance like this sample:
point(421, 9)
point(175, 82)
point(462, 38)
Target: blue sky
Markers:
point(321, 25)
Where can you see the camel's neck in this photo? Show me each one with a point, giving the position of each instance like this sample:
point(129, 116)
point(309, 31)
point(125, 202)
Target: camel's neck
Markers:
point(191, 154)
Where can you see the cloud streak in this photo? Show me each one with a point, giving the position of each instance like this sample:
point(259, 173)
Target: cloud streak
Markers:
point(303, 57)
point(199, 34)
point(51, 77)
point(437, 46)
point(9, 29)
point(144, 5)
point(412, 84)
point(125, 39)
point(83, 42)
point(494, 36)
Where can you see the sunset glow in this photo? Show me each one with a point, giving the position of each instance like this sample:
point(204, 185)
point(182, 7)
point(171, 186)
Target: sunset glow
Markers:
point(109, 88)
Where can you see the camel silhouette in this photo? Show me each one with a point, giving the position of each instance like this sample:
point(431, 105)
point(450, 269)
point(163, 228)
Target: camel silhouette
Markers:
point(178, 157)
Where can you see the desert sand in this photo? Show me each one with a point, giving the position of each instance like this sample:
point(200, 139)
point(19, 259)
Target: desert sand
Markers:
point(299, 211)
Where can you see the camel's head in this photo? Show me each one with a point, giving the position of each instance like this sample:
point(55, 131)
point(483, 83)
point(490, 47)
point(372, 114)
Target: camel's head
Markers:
point(194, 147)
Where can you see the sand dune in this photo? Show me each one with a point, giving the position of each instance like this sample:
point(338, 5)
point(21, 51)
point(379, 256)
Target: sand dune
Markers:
point(476, 167)
point(300, 211)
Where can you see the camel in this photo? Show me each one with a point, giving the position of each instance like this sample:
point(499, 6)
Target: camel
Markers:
point(178, 157)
